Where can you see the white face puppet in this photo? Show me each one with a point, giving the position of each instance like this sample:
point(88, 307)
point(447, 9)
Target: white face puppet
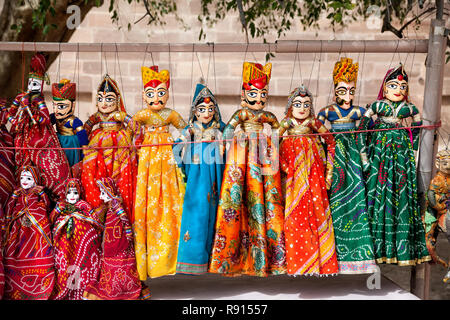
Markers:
point(72, 195)
point(27, 180)
point(104, 196)
point(34, 85)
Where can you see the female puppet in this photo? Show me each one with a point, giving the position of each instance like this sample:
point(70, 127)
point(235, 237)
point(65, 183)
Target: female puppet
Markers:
point(32, 130)
point(398, 233)
point(160, 186)
point(115, 158)
point(118, 278)
point(27, 251)
point(308, 228)
point(203, 166)
point(7, 179)
point(70, 131)
point(249, 235)
point(77, 237)
point(347, 194)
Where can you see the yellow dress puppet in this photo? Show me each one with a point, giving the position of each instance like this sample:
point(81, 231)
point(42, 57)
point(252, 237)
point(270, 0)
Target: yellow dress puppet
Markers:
point(160, 187)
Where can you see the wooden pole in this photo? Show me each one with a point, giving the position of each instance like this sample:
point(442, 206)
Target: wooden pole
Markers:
point(435, 62)
point(282, 46)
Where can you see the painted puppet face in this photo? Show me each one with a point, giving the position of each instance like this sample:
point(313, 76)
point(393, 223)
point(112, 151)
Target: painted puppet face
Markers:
point(344, 94)
point(156, 98)
point(27, 180)
point(205, 112)
point(301, 107)
point(444, 165)
point(395, 90)
point(104, 196)
point(72, 195)
point(63, 108)
point(254, 98)
point(107, 102)
point(35, 85)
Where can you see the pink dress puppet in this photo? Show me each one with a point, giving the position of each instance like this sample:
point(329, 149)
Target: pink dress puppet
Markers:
point(34, 135)
point(77, 237)
point(118, 278)
point(27, 251)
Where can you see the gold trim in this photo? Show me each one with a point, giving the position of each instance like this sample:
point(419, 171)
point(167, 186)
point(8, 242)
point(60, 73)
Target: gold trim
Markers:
point(403, 262)
point(252, 126)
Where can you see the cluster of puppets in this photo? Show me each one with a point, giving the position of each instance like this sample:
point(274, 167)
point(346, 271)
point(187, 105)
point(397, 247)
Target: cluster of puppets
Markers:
point(91, 211)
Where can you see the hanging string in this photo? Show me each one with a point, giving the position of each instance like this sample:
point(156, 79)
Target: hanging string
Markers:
point(318, 71)
point(240, 82)
point(214, 66)
point(200, 66)
point(120, 73)
point(101, 62)
point(59, 63)
point(332, 84)
point(361, 75)
point(293, 69)
point(171, 86)
point(396, 48)
point(192, 75)
point(207, 73)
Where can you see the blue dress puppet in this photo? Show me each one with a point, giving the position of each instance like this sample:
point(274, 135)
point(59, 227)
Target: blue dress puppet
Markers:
point(70, 131)
point(202, 164)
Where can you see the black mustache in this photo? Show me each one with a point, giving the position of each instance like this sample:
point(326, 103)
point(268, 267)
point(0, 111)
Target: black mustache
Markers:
point(159, 101)
point(340, 101)
point(254, 102)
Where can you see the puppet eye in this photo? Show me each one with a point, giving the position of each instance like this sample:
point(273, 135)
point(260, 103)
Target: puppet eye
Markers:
point(252, 94)
point(161, 93)
point(392, 86)
point(263, 95)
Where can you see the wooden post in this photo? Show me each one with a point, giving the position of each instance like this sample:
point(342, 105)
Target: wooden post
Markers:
point(431, 115)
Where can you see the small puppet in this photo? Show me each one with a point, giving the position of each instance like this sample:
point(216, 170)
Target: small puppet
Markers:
point(437, 217)
point(27, 247)
point(70, 130)
point(77, 238)
point(118, 278)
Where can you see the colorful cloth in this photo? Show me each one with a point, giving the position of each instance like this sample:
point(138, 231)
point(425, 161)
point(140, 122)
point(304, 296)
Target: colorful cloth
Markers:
point(203, 167)
point(7, 179)
point(2, 270)
point(159, 195)
point(28, 251)
point(71, 134)
point(397, 229)
point(77, 238)
point(249, 235)
point(39, 144)
point(308, 227)
point(347, 194)
point(115, 158)
point(118, 278)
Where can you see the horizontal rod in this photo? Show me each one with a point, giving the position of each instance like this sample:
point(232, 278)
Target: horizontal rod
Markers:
point(281, 46)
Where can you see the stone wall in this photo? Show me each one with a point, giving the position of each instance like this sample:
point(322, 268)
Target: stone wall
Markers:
point(315, 69)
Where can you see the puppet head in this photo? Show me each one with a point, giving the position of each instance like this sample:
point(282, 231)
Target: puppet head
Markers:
point(64, 95)
point(109, 98)
point(395, 85)
point(255, 83)
point(108, 190)
point(37, 74)
point(29, 177)
point(443, 161)
point(73, 190)
point(300, 104)
point(345, 75)
point(156, 87)
point(204, 106)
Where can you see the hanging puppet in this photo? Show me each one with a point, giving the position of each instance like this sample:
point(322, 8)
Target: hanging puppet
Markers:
point(32, 130)
point(115, 157)
point(347, 194)
point(70, 131)
point(249, 236)
point(308, 228)
point(77, 238)
point(7, 179)
point(396, 225)
point(27, 250)
point(118, 278)
point(203, 165)
point(160, 186)
point(437, 217)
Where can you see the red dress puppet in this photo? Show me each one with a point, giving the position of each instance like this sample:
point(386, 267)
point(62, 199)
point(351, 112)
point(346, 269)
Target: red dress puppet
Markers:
point(28, 251)
point(77, 237)
point(310, 243)
point(7, 179)
point(118, 279)
point(32, 130)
